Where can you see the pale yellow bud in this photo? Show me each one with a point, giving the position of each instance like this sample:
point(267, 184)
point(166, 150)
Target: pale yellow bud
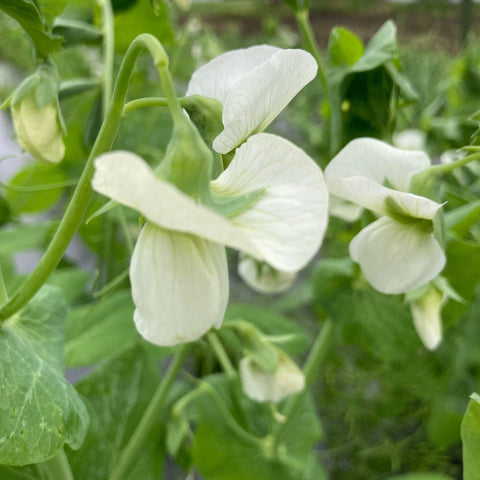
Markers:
point(38, 129)
point(427, 319)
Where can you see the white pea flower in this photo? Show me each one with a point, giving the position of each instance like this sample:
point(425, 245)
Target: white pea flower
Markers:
point(262, 386)
point(262, 278)
point(254, 85)
point(179, 269)
point(397, 253)
point(426, 317)
point(410, 139)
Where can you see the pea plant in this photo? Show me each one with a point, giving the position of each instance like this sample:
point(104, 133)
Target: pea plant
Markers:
point(258, 259)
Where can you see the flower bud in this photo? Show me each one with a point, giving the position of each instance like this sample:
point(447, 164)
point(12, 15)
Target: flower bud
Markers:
point(271, 387)
point(263, 278)
point(426, 317)
point(36, 116)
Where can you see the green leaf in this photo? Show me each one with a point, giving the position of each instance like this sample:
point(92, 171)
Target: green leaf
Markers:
point(34, 175)
point(344, 47)
point(97, 331)
point(471, 439)
point(116, 395)
point(77, 33)
point(30, 18)
point(140, 18)
point(72, 281)
point(23, 237)
point(52, 8)
point(39, 410)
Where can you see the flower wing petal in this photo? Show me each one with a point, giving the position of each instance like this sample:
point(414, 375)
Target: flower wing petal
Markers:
point(179, 285)
point(289, 220)
point(216, 78)
point(396, 257)
point(126, 178)
point(358, 171)
point(260, 95)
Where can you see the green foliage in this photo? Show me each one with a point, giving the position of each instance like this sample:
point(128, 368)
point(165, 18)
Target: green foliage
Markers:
point(45, 183)
point(99, 330)
point(40, 410)
point(362, 88)
point(30, 18)
point(471, 439)
point(116, 395)
point(23, 237)
point(141, 18)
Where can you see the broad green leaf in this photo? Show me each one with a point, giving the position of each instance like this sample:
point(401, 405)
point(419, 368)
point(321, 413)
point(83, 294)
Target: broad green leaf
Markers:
point(116, 395)
point(23, 237)
point(280, 330)
point(344, 47)
point(36, 175)
point(72, 281)
point(140, 18)
point(97, 331)
point(471, 439)
point(39, 410)
point(52, 8)
point(26, 13)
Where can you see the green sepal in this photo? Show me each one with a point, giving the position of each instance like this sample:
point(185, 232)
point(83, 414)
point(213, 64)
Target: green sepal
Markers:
point(206, 114)
point(44, 83)
point(256, 346)
point(231, 206)
point(426, 183)
point(188, 161)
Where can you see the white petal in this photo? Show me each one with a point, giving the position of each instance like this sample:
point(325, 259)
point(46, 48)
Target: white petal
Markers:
point(259, 96)
point(179, 285)
point(288, 222)
point(410, 139)
point(268, 387)
point(126, 178)
point(217, 78)
point(262, 278)
point(344, 209)
point(426, 318)
point(396, 257)
point(358, 171)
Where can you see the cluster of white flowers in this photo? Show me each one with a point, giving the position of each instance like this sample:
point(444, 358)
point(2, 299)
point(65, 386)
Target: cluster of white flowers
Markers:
point(179, 271)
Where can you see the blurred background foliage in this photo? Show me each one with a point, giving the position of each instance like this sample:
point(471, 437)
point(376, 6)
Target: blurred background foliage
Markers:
point(386, 405)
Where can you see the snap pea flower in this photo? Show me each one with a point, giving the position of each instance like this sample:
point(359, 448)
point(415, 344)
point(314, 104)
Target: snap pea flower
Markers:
point(254, 85)
point(178, 269)
point(264, 386)
point(397, 252)
point(410, 139)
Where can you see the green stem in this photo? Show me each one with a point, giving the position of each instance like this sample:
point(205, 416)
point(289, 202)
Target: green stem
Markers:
point(83, 193)
point(150, 417)
point(303, 22)
point(448, 167)
point(310, 368)
point(144, 102)
point(221, 354)
point(57, 468)
point(38, 188)
point(109, 52)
